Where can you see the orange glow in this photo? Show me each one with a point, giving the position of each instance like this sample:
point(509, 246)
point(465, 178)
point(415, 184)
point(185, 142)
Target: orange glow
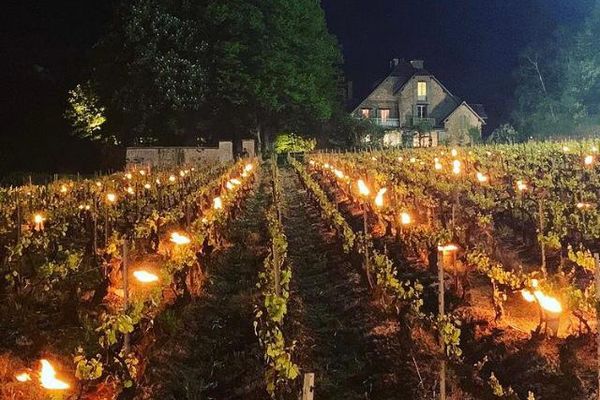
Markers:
point(63, 189)
point(379, 197)
point(128, 175)
point(481, 177)
point(111, 197)
point(362, 188)
point(172, 178)
point(248, 167)
point(130, 190)
point(180, 239)
point(145, 276)
point(588, 160)
point(229, 185)
point(521, 185)
point(217, 203)
point(48, 377)
point(338, 173)
point(236, 181)
point(147, 186)
point(454, 152)
point(142, 172)
point(23, 377)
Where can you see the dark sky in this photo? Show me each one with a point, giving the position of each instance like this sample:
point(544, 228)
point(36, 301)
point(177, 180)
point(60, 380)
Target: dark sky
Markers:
point(470, 45)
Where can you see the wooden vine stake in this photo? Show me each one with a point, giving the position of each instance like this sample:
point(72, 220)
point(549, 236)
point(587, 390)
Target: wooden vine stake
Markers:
point(308, 388)
point(125, 273)
point(597, 270)
point(441, 312)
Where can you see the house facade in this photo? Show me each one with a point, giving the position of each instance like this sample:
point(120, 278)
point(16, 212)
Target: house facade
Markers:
point(416, 109)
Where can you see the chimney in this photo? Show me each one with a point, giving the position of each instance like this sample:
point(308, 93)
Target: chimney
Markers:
point(417, 64)
point(394, 63)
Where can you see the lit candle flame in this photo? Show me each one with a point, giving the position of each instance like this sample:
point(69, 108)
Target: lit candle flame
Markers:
point(180, 239)
point(454, 152)
point(145, 276)
point(548, 303)
point(111, 197)
point(23, 377)
point(229, 185)
point(456, 167)
point(521, 185)
point(379, 197)
point(48, 377)
point(405, 218)
point(362, 188)
point(448, 247)
point(481, 177)
point(588, 160)
point(236, 181)
point(248, 167)
point(217, 203)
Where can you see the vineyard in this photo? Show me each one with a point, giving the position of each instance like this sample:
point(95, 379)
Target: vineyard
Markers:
point(467, 273)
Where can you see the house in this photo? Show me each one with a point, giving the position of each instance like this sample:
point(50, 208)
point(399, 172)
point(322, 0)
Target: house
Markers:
point(416, 109)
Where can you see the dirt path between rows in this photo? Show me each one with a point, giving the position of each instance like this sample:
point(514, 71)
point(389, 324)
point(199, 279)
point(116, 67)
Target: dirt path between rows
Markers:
point(208, 349)
point(354, 349)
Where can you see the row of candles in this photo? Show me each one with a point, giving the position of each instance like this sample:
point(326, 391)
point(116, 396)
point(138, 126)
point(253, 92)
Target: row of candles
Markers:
point(546, 302)
point(47, 375)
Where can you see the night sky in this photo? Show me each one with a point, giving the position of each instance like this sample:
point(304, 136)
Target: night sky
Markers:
point(470, 45)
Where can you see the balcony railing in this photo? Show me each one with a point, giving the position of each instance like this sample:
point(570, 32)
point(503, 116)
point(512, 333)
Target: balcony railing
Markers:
point(415, 121)
point(387, 122)
point(384, 122)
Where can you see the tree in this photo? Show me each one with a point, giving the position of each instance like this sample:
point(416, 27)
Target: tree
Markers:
point(558, 81)
point(291, 143)
point(504, 134)
point(174, 70)
point(85, 112)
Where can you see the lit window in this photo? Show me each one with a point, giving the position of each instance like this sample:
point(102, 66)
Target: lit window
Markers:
point(421, 90)
point(365, 112)
point(384, 114)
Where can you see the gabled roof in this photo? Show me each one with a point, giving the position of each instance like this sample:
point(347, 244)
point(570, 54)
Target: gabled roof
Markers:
point(481, 114)
point(404, 71)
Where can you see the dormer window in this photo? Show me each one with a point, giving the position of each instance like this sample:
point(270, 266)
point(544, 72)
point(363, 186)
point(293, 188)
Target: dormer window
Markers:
point(421, 91)
point(365, 112)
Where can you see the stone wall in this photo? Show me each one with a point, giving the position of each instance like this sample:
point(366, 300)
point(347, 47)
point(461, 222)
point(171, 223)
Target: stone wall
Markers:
point(172, 156)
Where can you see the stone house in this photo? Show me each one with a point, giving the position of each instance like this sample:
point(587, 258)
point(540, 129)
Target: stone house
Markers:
point(416, 109)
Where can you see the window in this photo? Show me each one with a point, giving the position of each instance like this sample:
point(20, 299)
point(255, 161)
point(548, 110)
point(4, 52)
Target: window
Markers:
point(421, 111)
point(421, 91)
point(384, 114)
point(365, 112)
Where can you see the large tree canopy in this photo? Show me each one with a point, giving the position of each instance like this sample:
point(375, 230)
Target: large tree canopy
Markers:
point(174, 71)
point(558, 91)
